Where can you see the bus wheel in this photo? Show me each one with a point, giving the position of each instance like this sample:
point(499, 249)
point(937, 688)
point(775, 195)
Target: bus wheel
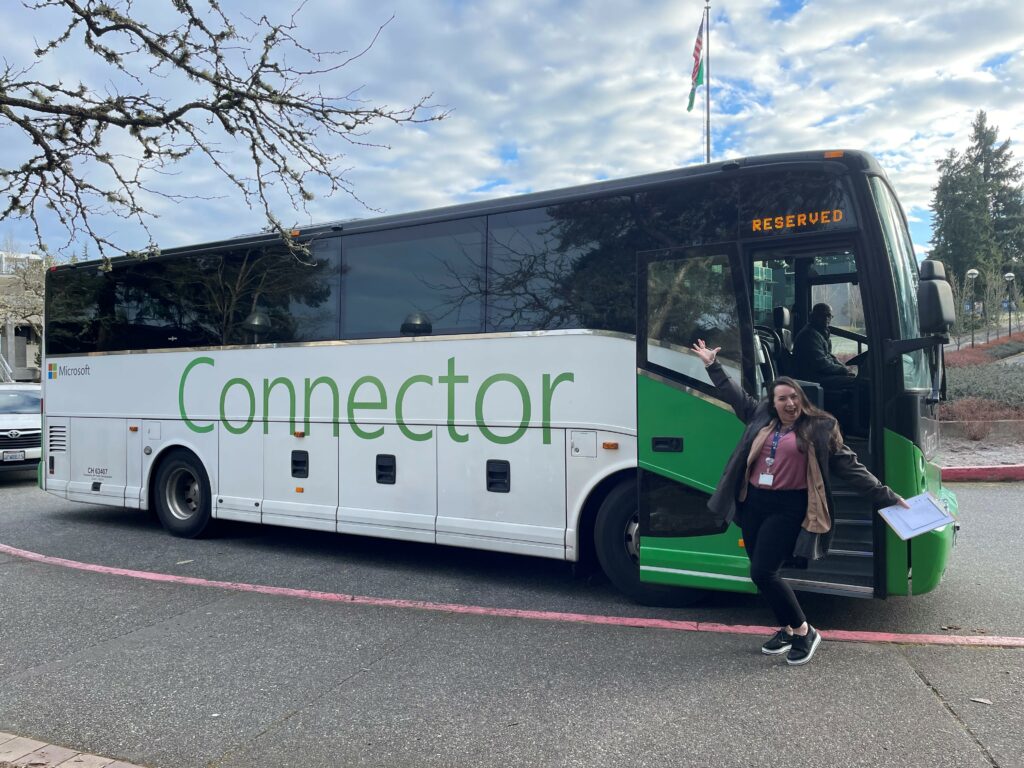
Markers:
point(617, 541)
point(182, 494)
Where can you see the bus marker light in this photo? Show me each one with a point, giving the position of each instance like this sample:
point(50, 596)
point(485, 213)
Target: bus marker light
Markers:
point(833, 153)
point(300, 490)
point(741, 544)
point(295, 232)
point(299, 434)
point(133, 428)
point(610, 445)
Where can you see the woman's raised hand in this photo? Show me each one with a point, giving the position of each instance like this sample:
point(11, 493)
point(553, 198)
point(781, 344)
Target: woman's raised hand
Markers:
point(706, 355)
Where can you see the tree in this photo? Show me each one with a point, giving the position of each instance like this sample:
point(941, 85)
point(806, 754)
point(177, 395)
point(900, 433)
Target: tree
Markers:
point(1001, 177)
point(241, 94)
point(960, 286)
point(963, 234)
point(978, 205)
point(21, 291)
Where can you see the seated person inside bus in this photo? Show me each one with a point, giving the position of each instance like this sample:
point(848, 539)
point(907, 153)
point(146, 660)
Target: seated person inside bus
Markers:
point(813, 361)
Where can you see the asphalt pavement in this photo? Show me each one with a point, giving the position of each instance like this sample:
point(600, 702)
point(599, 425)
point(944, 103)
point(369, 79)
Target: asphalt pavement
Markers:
point(179, 675)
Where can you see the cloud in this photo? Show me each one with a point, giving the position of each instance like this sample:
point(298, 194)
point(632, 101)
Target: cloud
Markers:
point(547, 94)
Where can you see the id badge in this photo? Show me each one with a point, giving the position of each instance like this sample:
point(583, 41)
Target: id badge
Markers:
point(765, 480)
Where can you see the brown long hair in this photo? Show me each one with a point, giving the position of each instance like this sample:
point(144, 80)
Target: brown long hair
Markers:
point(809, 414)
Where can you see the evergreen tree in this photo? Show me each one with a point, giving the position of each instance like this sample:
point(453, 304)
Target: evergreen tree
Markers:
point(978, 205)
point(963, 232)
point(1004, 193)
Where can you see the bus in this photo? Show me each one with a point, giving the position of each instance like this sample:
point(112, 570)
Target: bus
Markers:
point(512, 375)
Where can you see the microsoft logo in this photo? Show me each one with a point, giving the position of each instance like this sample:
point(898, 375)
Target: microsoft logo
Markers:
point(51, 371)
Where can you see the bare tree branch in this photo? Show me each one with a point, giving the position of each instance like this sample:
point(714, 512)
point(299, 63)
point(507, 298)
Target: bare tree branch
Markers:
point(250, 108)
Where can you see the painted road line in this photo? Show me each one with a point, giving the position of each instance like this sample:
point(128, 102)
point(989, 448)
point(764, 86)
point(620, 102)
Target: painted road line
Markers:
point(516, 613)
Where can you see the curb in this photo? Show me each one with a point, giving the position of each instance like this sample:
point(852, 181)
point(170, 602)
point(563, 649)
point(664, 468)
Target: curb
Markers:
point(997, 474)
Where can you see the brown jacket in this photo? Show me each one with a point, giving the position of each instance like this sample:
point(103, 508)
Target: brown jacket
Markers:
point(826, 453)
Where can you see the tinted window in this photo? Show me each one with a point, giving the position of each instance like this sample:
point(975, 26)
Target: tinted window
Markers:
point(691, 298)
point(241, 296)
point(687, 214)
point(72, 308)
point(791, 202)
point(565, 266)
point(432, 275)
point(245, 296)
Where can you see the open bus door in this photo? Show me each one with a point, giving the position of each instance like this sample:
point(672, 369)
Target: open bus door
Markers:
point(685, 435)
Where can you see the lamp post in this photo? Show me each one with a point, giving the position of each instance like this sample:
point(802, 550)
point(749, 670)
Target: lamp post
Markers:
point(1008, 277)
point(972, 275)
point(256, 323)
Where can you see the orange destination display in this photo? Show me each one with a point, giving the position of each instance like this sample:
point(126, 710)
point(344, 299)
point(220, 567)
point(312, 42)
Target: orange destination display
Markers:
point(796, 220)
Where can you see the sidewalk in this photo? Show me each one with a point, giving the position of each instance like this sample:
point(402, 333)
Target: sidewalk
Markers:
point(29, 753)
point(964, 460)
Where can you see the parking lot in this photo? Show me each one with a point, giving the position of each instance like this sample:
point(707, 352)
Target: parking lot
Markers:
point(193, 673)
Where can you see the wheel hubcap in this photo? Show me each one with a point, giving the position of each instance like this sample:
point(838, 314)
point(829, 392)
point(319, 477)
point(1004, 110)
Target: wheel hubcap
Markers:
point(632, 538)
point(182, 494)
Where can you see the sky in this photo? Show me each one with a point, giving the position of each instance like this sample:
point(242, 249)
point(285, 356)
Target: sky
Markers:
point(550, 93)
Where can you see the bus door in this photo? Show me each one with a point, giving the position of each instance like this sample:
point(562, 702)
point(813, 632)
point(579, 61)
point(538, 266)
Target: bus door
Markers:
point(685, 434)
point(786, 283)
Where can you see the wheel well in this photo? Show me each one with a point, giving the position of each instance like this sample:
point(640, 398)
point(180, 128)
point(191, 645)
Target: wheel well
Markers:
point(588, 516)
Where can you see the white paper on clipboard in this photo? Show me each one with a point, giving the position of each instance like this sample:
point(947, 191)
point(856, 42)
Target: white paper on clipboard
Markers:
point(925, 514)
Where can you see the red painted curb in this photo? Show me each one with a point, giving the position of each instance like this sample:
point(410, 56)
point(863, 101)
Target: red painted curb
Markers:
point(856, 636)
point(999, 474)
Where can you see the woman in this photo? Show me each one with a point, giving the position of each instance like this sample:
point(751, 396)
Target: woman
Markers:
point(776, 487)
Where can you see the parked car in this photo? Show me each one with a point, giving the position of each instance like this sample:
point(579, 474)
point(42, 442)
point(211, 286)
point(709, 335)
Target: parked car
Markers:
point(20, 426)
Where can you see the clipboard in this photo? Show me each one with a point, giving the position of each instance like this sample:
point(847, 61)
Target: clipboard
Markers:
point(925, 514)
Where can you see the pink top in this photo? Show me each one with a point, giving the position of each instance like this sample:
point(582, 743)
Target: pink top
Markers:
point(790, 465)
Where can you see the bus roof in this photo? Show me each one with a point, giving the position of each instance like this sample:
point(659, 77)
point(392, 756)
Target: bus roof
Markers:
point(853, 159)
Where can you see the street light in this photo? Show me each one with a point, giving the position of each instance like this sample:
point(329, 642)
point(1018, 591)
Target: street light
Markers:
point(1008, 277)
point(972, 275)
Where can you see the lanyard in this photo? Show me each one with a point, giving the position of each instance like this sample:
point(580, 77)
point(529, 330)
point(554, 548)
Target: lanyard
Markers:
point(779, 433)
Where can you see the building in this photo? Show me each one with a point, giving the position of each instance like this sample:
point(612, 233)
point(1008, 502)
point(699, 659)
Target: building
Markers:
point(20, 344)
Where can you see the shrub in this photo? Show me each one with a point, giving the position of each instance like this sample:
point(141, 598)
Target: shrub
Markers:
point(974, 409)
point(977, 430)
point(1002, 384)
point(1010, 348)
point(981, 354)
point(967, 356)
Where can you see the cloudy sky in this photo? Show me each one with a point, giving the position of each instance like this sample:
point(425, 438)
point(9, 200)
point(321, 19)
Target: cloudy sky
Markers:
point(547, 93)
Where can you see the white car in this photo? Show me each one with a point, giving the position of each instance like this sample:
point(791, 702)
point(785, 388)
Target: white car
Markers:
point(20, 426)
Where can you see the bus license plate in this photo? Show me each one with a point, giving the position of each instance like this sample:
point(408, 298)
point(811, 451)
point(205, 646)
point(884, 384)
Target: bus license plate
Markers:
point(14, 455)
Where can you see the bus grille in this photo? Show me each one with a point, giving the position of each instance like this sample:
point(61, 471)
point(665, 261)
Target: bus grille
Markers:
point(58, 440)
point(19, 438)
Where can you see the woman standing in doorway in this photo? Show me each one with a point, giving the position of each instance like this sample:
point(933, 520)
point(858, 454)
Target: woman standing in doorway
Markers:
point(776, 486)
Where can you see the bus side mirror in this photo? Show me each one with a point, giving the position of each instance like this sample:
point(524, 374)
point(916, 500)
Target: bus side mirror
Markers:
point(935, 308)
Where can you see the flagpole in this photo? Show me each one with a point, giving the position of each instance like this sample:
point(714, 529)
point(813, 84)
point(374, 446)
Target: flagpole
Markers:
point(707, 80)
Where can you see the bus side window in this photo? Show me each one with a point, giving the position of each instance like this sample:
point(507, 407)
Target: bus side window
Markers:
point(432, 271)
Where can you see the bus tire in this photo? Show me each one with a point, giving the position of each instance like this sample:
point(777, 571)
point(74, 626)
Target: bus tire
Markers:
point(617, 542)
point(182, 494)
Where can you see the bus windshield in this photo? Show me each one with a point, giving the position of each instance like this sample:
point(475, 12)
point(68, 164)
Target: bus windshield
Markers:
point(905, 277)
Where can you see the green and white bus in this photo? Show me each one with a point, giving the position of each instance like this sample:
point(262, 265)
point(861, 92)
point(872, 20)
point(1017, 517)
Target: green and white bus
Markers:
point(511, 375)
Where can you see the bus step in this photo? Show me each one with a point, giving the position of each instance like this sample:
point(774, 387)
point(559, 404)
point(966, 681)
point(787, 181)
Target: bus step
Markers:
point(855, 570)
point(853, 537)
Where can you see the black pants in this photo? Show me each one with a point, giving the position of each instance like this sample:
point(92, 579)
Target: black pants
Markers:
point(770, 521)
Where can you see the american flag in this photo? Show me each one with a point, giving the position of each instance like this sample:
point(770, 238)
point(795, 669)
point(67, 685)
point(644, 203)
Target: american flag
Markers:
point(697, 49)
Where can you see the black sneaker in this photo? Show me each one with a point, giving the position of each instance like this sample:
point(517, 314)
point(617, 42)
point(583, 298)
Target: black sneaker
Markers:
point(780, 642)
point(803, 647)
